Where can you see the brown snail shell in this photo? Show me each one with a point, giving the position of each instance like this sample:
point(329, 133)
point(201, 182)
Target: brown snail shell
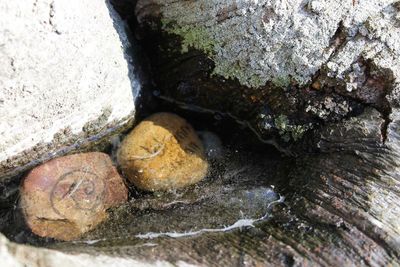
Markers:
point(163, 152)
point(68, 196)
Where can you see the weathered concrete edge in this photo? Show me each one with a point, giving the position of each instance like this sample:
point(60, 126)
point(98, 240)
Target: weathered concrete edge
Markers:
point(14, 255)
point(83, 130)
point(83, 141)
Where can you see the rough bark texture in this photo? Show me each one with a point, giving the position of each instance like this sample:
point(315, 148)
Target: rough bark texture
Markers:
point(66, 79)
point(280, 41)
point(320, 81)
point(287, 66)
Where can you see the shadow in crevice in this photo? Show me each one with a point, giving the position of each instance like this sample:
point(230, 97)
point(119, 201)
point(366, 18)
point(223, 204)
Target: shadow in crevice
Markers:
point(138, 67)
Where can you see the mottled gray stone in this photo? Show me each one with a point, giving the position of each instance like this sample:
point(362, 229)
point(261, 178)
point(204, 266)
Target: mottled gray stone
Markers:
point(279, 40)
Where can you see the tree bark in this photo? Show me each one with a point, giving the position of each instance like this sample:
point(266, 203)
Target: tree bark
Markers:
point(326, 93)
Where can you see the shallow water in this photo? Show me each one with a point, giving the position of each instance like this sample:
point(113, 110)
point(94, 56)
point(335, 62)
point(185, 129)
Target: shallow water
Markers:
point(236, 198)
point(234, 203)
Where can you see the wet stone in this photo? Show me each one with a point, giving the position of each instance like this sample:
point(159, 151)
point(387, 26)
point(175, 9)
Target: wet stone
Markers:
point(163, 153)
point(69, 196)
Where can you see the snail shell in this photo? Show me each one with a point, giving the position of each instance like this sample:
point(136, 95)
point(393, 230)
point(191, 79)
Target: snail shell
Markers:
point(68, 196)
point(163, 153)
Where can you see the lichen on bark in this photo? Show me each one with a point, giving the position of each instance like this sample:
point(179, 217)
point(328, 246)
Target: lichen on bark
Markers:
point(192, 37)
point(282, 41)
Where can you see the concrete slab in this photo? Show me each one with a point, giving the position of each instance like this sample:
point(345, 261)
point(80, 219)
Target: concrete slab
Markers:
point(66, 78)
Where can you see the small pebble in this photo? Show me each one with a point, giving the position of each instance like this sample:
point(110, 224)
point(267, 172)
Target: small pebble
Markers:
point(163, 153)
point(68, 196)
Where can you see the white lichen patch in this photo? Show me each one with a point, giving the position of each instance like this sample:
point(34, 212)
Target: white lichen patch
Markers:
point(328, 107)
point(283, 40)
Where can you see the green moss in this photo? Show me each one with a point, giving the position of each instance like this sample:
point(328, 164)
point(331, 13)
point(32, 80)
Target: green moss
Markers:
point(298, 131)
point(230, 73)
point(202, 38)
point(289, 131)
point(282, 122)
point(196, 37)
point(236, 72)
point(282, 81)
point(256, 81)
